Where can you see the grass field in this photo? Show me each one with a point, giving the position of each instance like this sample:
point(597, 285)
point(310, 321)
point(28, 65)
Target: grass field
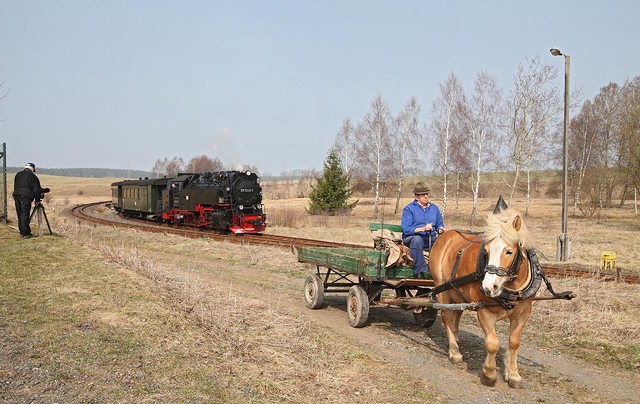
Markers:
point(105, 315)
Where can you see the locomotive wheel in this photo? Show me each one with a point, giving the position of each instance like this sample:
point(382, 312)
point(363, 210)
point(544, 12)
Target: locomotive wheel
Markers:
point(426, 318)
point(357, 306)
point(313, 291)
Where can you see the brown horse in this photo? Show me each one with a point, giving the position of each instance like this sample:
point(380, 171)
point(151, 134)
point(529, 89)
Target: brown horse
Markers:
point(492, 268)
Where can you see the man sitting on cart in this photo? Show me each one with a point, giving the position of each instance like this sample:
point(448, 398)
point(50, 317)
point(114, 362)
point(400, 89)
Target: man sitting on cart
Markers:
point(421, 224)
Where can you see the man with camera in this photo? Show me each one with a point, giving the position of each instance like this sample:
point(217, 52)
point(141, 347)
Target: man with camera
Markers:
point(26, 188)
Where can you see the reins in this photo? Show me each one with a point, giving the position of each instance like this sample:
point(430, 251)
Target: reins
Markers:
point(507, 298)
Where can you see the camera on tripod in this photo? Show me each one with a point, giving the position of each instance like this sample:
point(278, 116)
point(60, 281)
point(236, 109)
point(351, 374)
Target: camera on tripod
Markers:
point(42, 192)
point(38, 207)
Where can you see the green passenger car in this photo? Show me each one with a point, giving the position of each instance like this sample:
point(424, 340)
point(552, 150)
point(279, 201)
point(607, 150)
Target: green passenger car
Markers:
point(141, 196)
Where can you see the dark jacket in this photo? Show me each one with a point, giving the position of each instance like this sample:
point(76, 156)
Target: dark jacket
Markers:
point(27, 184)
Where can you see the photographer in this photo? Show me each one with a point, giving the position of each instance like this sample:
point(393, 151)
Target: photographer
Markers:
point(26, 188)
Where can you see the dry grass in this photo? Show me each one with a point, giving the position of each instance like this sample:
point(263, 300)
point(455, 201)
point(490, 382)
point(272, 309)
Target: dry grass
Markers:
point(263, 349)
point(600, 325)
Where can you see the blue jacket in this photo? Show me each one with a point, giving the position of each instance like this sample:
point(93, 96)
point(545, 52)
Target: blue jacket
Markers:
point(414, 216)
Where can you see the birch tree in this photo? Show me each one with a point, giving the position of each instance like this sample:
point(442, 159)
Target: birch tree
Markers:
point(529, 107)
point(345, 145)
point(582, 141)
point(628, 132)
point(441, 129)
point(374, 143)
point(405, 141)
point(479, 118)
point(606, 104)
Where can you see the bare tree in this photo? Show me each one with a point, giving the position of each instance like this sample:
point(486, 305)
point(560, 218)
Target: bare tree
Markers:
point(159, 168)
point(582, 141)
point(404, 143)
point(607, 104)
point(628, 131)
point(374, 145)
point(345, 145)
point(442, 129)
point(529, 107)
point(249, 167)
point(479, 129)
point(202, 164)
point(175, 166)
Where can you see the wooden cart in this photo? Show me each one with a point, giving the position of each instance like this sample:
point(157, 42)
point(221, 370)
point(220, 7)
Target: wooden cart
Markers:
point(364, 275)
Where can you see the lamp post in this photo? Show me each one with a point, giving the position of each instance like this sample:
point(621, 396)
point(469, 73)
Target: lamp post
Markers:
point(564, 241)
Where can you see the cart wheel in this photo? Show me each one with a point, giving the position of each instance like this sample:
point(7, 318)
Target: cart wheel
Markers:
point(313, 291)
point(426, 318)
point(357, 306)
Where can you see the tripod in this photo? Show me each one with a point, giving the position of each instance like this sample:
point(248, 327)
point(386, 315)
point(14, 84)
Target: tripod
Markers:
point(39, 207)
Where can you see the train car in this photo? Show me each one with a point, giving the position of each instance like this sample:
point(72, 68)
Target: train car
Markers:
point(222, 200)
point(139, 198)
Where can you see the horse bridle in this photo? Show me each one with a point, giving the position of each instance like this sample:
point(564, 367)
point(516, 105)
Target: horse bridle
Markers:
point(481, 270)
point(512, 272)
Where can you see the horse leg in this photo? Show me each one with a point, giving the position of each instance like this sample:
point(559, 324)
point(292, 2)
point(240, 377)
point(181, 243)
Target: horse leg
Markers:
point(451, 321)
point(516, 324)
point(487, 321)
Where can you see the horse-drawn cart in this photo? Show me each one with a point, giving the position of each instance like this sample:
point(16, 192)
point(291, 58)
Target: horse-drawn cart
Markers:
point(365, 274)
point(495, 272)
point(369, 276)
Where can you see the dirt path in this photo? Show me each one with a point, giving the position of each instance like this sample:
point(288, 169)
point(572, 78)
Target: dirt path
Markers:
point(392, 335)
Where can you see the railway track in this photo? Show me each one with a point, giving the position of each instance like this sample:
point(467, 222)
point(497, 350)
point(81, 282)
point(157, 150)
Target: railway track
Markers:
point(83, 213)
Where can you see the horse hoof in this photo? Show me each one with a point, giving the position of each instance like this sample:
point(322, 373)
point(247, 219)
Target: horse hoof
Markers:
point(456, 360)
point(516, 384)
point(490, 382)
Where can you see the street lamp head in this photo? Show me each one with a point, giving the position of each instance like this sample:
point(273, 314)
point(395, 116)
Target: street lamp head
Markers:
point(556, 52)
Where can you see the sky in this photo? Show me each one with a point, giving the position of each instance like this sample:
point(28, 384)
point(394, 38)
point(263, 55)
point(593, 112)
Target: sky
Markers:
point(122, 83)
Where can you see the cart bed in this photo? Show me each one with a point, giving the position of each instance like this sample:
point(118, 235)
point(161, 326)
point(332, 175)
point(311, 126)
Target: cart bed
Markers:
point(356, 261)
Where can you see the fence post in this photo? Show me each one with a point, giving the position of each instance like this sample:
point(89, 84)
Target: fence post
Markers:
point(3, 155)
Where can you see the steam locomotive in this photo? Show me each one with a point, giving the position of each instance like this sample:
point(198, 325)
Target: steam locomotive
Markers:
point(221, 200)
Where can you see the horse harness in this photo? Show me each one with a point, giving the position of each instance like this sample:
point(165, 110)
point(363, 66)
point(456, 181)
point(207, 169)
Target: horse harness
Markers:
point(508, 298)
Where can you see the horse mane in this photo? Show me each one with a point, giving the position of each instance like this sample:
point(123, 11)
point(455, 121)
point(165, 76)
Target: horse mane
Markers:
point(500, 225)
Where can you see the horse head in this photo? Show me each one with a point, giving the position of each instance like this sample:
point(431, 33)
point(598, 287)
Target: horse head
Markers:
point(507, 240)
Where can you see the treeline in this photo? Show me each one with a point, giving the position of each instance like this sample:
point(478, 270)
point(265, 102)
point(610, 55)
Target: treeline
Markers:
point(169, 168)
point(198, 164)
point(469, 133)
point(87, 172)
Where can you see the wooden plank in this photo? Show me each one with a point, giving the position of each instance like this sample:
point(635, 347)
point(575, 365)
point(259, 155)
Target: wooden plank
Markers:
point(379, 226)
point(357, 261)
